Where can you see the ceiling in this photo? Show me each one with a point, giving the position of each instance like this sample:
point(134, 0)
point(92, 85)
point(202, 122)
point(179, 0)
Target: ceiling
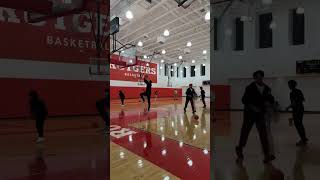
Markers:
point(150, 21)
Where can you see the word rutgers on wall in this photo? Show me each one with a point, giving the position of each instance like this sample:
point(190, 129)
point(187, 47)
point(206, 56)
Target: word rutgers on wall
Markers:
point(133, 73)
point(64, 39)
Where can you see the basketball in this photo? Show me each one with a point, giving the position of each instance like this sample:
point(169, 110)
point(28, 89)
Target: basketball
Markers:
point(196, 117)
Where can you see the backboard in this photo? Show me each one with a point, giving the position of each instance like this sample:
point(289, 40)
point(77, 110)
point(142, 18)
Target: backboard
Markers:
point(125, 57)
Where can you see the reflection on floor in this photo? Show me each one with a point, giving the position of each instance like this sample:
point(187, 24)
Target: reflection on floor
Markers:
point(166, 137)
point(292, 163)
point(72, 150)
point(127, 165)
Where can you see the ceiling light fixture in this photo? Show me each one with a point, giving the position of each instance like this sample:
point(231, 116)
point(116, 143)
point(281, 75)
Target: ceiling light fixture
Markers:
point(166, 32)
point(204, 52)
point(140, 43)
point(129, 15)
point(207, 16)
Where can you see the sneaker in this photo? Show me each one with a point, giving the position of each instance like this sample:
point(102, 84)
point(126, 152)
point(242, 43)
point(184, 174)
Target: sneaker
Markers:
point(239, 153)
point(40, 140)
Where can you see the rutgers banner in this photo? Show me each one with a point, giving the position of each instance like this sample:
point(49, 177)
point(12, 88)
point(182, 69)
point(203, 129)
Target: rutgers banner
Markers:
point(134, 73)
point(65, 39)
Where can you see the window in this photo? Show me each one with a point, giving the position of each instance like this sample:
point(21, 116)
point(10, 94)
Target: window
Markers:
point(215, 30)
point(184, 72)
point(239, 35)
point(177, 71)
point(166, 70)
point(192, 71)
point(265, 31)
point(297, 28)
point(171, 71)
point(203, 70)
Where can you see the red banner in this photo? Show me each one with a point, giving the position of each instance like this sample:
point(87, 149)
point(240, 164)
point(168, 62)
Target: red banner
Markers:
point(66, 39)
point(134, 73)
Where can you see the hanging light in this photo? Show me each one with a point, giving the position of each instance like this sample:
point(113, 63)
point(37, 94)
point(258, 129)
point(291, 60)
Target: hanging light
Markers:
point(163, 51)
point(189, 44)
point(180, 57)
point(129, 15)
point(193, 61)
point(300, 10)
point(166, 32)
point(273, 25)
point(175, 64)
point(207, 16)
point(140, 43)
point(204, 52)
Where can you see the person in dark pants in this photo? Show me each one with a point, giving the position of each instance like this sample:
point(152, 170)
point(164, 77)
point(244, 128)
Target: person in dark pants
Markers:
point(297, 99)
point(189, 98)
point(122, 97)
point(39, 112)
point(147, 93)
point(103, 108)
point(256, 95)
point(203, 95)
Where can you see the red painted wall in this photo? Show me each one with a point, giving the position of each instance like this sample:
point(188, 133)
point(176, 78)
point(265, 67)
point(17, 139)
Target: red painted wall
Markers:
point(63, 97)
point(134, 92)
point(222, 96)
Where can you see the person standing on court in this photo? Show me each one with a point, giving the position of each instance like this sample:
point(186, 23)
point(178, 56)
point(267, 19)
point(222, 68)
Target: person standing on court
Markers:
point(175, 94)
point(122, 97)
point(147, 93)
point(189, 98)
point(39, 113)
point(103, 107)
point(203, 95)
point(256, 95)
point(297, 99)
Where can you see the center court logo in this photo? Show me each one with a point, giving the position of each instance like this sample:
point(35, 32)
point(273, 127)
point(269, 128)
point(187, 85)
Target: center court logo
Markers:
point(119, 132)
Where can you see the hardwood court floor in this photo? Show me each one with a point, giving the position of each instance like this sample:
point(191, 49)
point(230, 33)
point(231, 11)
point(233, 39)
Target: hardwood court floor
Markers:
point(75, 150)
point(294, 163)
point(170, 143)
point(72, 150)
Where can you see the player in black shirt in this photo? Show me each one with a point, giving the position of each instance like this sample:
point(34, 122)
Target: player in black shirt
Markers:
point(297, 99)
point(256, 95)
point(122, 97)
point(203, 95)
point(148, 91)
point(39, 112)
point(189, 97)
point(103, 107)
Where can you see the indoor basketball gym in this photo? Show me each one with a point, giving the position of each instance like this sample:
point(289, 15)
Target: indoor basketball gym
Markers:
point(46, 47)
point(281, 38)
point(69, 55)
point(167, 43)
